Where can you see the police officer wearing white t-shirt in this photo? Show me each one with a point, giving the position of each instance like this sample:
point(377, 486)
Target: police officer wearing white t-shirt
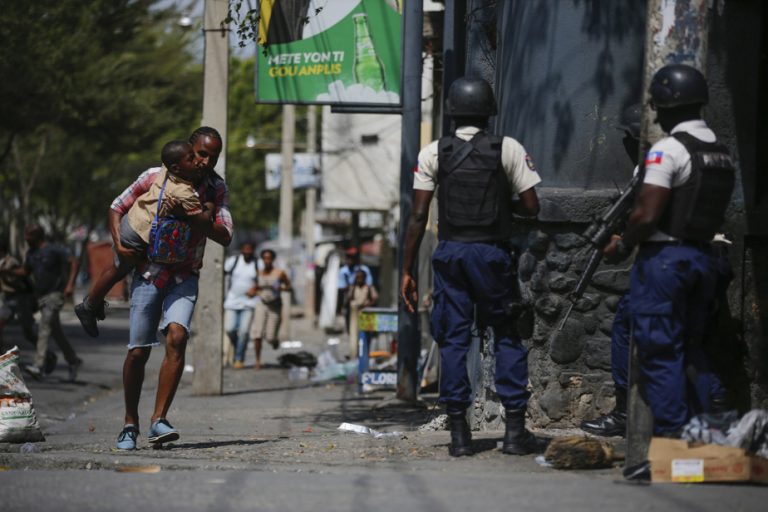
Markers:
point(478, 175)
point(241, 299)
point(689, 178)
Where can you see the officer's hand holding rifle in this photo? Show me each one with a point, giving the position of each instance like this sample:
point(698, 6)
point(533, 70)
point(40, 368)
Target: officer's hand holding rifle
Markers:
point(602, 236)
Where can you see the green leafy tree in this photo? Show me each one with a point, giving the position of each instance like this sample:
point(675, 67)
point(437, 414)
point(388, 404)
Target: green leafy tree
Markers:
point(91, 90)
point(254, 208)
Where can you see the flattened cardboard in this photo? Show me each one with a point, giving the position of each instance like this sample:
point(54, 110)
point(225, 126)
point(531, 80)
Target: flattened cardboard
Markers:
point(675, 460)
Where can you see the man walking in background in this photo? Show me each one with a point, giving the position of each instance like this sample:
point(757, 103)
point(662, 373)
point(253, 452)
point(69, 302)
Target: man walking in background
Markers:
point(53, 272)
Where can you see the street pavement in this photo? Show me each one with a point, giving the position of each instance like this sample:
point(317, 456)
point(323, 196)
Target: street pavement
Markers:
point(270, 443)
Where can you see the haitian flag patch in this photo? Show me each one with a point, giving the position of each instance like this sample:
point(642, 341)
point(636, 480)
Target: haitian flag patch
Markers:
point(654, 157)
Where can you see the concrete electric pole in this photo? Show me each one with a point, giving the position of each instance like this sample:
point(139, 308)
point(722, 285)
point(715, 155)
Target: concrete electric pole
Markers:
point(309, 218)
point(285, 222)
point(668, 40)
point(408, 339)
point(208, 321)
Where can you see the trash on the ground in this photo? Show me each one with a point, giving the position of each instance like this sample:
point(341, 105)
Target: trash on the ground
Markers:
point(153, 468)
point(329, 369)
point(297, 373)
point(382, 360)
point(710, 428)
point(361, 429)
point(29, 448)
point(577, 452)
point(18, 421)
point(542, 461)
point(293, 359)
point(437, 424)
point(188, 368)
point(677, 460)
point(749, 433)
point(71, 416)
point(291, 344)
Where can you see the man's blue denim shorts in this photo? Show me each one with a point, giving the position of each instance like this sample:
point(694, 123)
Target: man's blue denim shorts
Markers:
point(174, 303)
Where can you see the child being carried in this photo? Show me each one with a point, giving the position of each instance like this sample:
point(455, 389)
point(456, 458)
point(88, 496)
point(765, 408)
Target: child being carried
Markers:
point(175, 184)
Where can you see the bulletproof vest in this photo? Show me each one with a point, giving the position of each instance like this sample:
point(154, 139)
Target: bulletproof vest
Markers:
point(474, 197)
point(696, 209)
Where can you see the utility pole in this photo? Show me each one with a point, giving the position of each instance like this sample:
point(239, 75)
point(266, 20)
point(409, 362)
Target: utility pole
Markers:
point(668, 40)
point(408, 338)
point(208, 321)
point(285, 222)
point(309, 217)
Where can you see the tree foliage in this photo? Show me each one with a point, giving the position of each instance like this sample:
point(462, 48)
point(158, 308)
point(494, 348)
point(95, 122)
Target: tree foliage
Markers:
point(254, 208)
point(90, 92)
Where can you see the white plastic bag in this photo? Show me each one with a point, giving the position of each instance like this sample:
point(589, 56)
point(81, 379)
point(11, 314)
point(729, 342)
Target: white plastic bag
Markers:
point(18, 421)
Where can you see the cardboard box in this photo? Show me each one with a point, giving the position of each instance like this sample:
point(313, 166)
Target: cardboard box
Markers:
point(675, 460)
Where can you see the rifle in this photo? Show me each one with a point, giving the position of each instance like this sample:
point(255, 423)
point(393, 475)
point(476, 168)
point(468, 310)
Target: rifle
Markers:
point(599, 233)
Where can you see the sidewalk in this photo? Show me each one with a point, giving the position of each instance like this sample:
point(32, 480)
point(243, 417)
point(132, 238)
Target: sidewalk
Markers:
point(269, 443)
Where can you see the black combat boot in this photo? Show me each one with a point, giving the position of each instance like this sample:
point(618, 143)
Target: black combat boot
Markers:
point(612, 424)
point(461, 437)
point(517, 439)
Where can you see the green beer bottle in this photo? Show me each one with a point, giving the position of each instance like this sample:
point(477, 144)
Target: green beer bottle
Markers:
point(369, 70)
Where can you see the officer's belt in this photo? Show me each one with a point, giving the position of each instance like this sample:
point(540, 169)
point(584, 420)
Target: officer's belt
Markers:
point(677, 243)
point(506, 246)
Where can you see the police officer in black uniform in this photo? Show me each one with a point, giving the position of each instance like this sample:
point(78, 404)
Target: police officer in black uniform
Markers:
point(686, 189)
point(478, 175)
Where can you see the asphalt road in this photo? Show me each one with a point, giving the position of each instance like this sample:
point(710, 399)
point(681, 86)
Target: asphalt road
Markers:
point(272, 444)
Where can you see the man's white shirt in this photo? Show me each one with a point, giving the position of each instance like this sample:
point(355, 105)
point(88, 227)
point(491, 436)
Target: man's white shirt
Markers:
point(517, 164)
point(668, 163)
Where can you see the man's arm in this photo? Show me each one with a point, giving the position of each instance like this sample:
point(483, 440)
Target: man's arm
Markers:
point(220, 228)
point(114, 229)
point(417, 224)
point(70, 287)
point(644, 218)
point(123, 203)
point(528, 204)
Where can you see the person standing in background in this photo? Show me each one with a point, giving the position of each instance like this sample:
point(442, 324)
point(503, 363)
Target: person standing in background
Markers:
point(53, 272)
point(241, 300)
point(359, 296)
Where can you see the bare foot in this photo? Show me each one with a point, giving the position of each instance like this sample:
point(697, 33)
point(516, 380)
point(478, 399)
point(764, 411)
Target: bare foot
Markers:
point(257, 366)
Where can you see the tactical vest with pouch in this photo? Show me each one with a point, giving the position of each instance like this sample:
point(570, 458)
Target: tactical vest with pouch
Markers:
point(474, 197)
point(696, 209)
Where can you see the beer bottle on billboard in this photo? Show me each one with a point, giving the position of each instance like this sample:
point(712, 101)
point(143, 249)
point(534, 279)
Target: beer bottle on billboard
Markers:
point(368, 69)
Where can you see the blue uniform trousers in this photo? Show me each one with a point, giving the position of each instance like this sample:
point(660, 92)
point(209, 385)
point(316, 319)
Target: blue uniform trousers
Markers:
point(696, 360)
point(672, 292)
point(482, 275)
point(620, 334)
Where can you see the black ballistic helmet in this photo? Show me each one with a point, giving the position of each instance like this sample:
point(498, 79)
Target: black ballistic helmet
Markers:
point(470, 97)
point(676, 85)
point(630, 120)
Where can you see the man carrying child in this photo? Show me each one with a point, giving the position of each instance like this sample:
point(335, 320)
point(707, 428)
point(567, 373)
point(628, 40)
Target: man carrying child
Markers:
point(164, 295)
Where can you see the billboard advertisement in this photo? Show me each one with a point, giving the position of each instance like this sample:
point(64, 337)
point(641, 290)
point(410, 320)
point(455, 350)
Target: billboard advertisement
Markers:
point(334, 52)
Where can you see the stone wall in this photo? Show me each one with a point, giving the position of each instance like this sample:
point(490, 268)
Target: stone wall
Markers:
point(558, 97)
point(569, 368)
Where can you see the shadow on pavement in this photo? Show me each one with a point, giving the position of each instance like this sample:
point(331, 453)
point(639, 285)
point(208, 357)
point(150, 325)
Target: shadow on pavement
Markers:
point(210, 444)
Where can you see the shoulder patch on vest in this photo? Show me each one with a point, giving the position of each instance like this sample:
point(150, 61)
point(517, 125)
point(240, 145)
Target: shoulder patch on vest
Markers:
point(529, 162)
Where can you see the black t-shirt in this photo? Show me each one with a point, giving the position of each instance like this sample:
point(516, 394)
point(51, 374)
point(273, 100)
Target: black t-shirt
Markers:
point(48, 266)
